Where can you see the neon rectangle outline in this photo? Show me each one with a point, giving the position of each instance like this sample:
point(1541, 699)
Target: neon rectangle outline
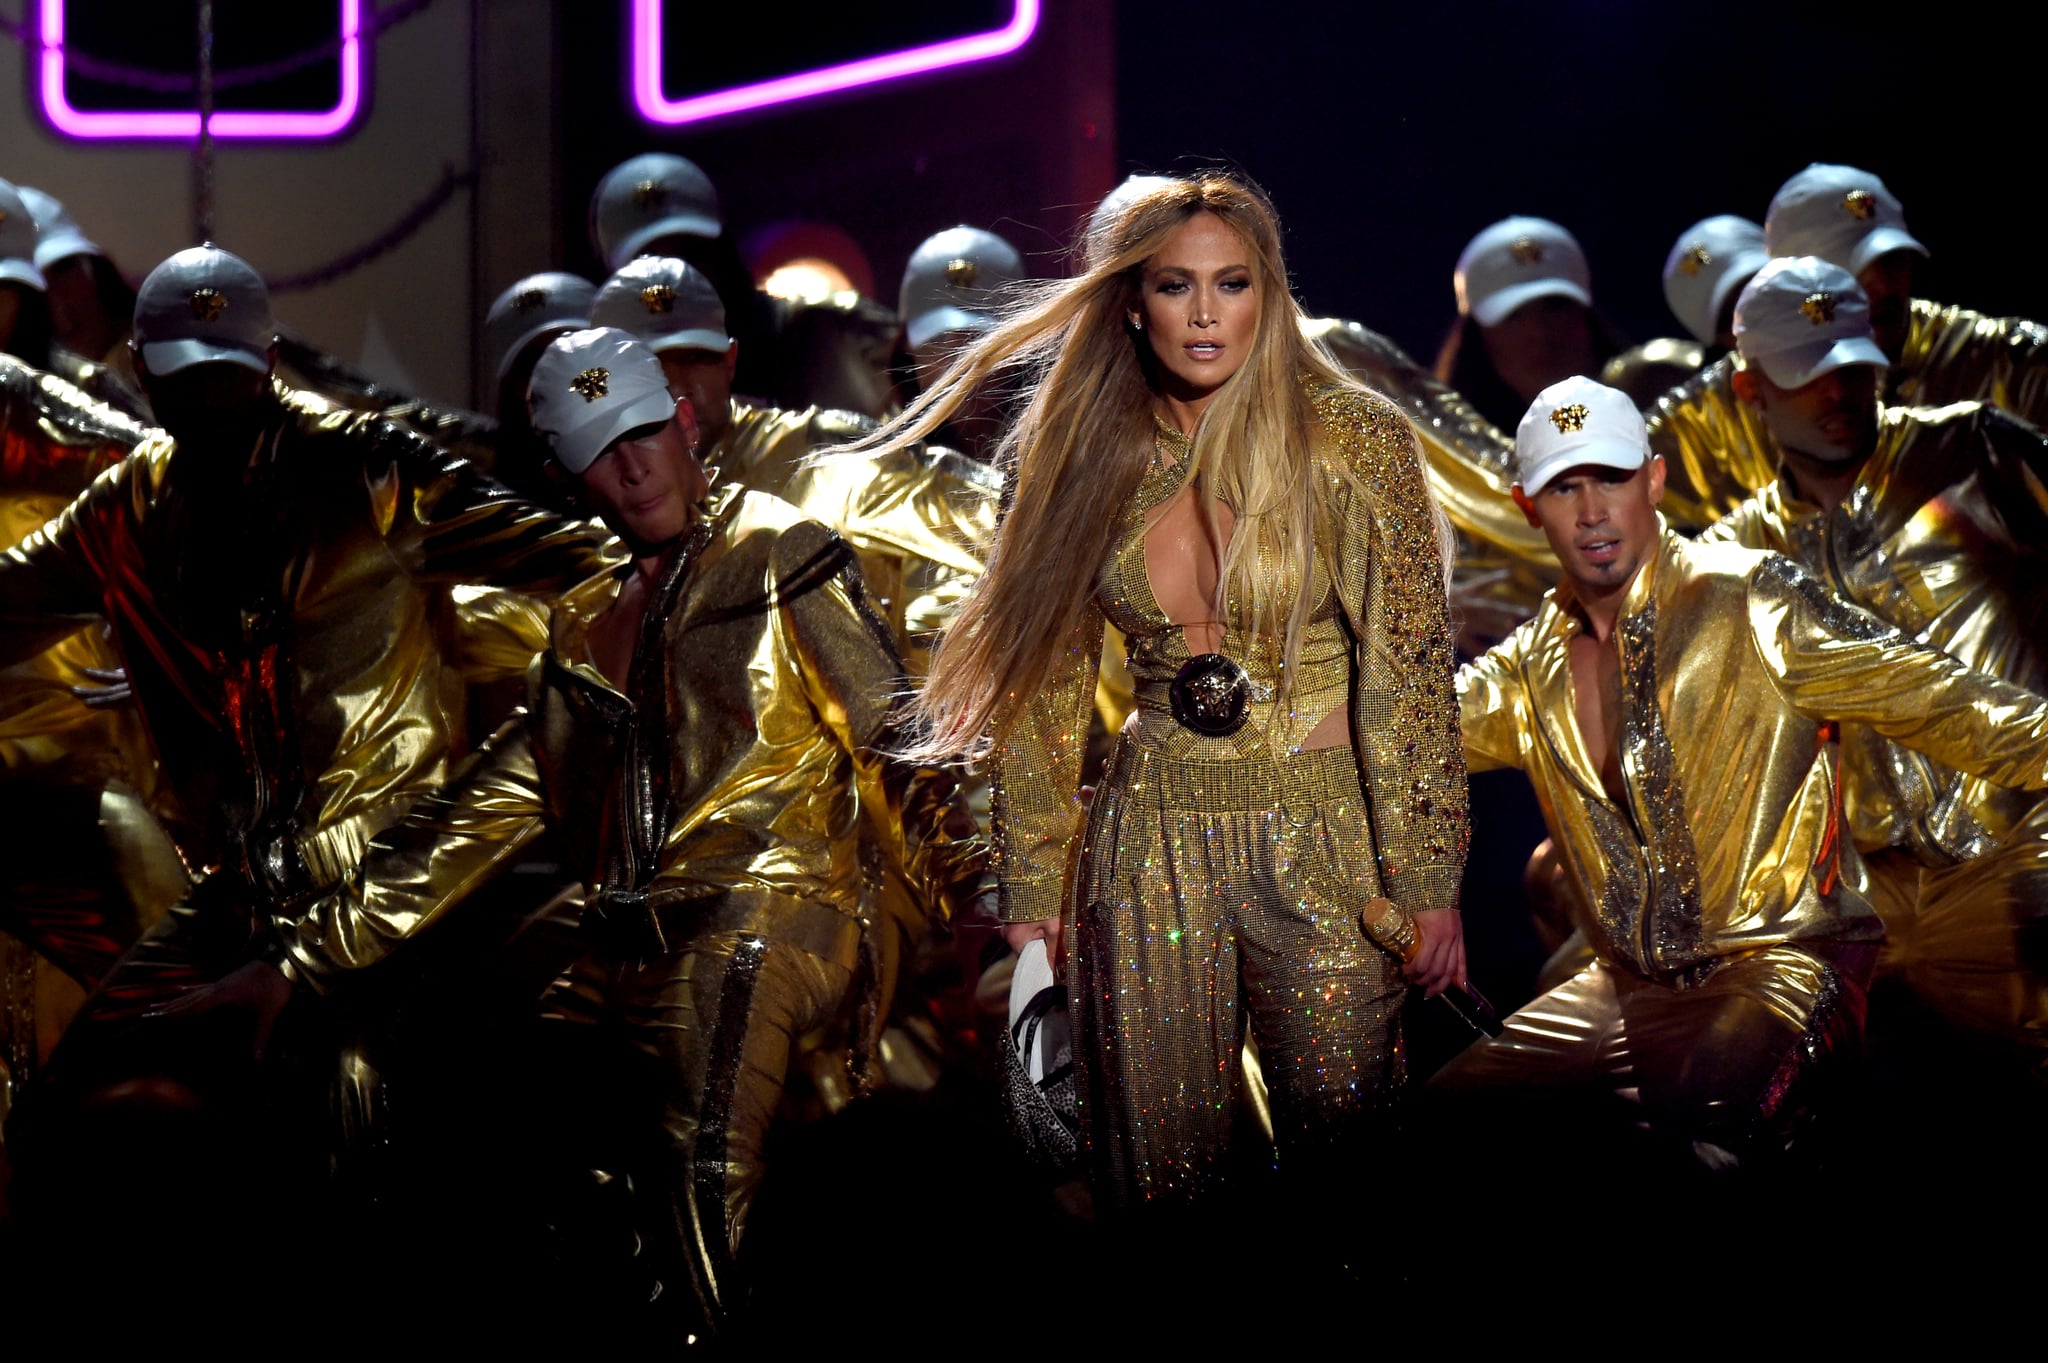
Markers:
point(656, 107)
point(86, 124)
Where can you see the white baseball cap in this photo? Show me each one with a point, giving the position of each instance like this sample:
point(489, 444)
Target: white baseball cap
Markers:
point(203, 306)
point(664, 302)
point(1801, 317)
point(648, 197)
point(1838, 213)
point(18, 240)
point(1576, 421)
point(539, 303)
point(1133, 187)
point(58, 235)
point(1708, 265)
point(592, 387)
point(1517, 260)
point(952, 283)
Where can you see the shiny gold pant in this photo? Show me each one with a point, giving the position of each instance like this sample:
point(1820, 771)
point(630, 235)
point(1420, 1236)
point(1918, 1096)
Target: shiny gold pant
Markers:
point(1213, 890)
point(708, 1030)
point(1726, 1065)
point(1955, 934)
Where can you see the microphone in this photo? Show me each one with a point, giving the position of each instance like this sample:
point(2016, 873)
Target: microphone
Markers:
point(1393, 931)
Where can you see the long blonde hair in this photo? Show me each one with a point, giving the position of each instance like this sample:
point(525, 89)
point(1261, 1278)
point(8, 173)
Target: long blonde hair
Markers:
point(1075, 455)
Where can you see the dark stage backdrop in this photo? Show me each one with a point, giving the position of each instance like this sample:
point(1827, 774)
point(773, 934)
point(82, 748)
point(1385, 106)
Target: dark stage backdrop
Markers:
point(1388, 134)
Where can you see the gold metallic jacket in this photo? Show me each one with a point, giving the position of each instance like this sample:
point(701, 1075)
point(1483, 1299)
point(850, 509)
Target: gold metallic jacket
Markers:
point(54, 440)
point(1501, 558)
point(1734, 664)
point(1942, 536)
point(1717, 450)
point(920, 519)
point(286, 633)
point(775, 686)
point(1378, 641)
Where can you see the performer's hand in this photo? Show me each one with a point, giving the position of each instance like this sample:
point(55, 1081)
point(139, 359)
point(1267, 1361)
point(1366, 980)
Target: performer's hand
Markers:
point(1441, 960)
point(257, 988)
point(1018, 934)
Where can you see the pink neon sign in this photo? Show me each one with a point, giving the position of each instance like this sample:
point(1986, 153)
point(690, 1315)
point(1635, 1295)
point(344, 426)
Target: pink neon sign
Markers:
point(185, 125)
point(657, 107)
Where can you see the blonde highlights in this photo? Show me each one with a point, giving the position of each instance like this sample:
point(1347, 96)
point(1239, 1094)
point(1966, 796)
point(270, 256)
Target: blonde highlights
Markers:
point(1074, 457)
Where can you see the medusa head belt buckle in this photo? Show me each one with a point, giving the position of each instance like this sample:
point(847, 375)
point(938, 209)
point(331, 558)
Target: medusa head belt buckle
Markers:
point(1212, 695)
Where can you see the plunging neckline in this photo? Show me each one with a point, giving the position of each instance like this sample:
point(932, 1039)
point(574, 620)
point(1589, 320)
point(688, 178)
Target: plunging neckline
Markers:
point(1157, 498)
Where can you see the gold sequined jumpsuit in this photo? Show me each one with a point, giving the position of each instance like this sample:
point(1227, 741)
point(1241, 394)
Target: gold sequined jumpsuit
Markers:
point(1942, 536)
point(1221, 877)
point(1732, 937)
point(711, 807)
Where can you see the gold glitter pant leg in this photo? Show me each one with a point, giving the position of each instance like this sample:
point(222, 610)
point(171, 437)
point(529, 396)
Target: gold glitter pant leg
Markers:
point(1213, 890)
point(713, 1023)
point(1957, 934)
point(1729, 1062)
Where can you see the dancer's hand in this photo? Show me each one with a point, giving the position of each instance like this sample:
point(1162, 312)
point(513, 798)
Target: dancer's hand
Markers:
point(1018, 934)
point(1440, 961)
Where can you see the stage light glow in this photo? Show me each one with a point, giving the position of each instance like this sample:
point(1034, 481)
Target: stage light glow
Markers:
point(184, 125)
point(656, 107)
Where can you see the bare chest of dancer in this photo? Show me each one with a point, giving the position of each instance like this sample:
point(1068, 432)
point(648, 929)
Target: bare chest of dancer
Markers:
point(1596, 701)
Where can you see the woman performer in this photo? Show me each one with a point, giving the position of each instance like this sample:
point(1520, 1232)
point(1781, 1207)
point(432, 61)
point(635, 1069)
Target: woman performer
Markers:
point(1192, 470)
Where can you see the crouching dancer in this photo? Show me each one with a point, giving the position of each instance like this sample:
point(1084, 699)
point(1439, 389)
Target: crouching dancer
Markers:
point(704, 733)
point(1674, 704)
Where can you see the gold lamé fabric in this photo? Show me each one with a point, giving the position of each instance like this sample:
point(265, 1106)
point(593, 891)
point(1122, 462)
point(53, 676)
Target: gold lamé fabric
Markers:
point(1729, 1066)
point(89, 867)
point(717, 811)
point(1208, 863)
point(1718, 450)
point(1648, 371)
point(1735, 666)
point(285, 622)
point(468, 435)
point(1503, 564)
point(920, 519)
point(779, 682)
point(1941, 536)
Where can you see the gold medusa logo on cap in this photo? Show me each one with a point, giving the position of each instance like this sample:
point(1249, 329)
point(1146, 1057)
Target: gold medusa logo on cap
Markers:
point(591, 384)
point(207, 304)
point(658, 298)
point(1819, 307)
point(1526, 250)
point(1696, 258)
point(962, 272)
point(526, 300)
point(647, 194)
point(1860, 204)
point(1570, 418)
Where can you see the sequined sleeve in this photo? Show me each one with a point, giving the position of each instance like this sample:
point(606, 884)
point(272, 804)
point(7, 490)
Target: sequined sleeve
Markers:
point(854, 678)
point(1035, 782)
point(1835, 662)
point(1493, 705)
point(1716, 448)
point(420, 869)
point(1404, 707)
